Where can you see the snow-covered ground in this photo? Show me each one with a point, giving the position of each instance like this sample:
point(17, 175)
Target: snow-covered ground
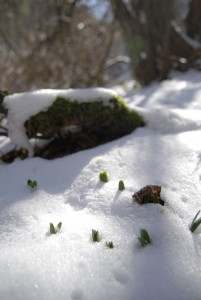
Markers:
point(68, 265)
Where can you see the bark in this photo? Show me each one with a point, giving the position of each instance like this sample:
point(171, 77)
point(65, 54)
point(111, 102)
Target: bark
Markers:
point(193, 19)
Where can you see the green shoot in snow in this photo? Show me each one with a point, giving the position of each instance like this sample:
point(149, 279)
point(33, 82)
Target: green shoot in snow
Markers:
point(195, 223)
point(54, 230)
point(95, 236)
point(144, 237)
point(32, 184)
point(103, 176)
point(121, 185)
point(110, 244)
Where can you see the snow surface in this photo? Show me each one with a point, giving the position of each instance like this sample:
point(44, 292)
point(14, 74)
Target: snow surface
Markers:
point(21, 106)
point(68, 265)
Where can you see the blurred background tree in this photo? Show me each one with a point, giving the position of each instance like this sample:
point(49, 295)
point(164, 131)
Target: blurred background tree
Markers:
point(85, 43)
point(53, 43)
point(160, 35)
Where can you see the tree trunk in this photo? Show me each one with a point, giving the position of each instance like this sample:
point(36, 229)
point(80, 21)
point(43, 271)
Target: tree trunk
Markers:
point(154, 44)
point(193, 19)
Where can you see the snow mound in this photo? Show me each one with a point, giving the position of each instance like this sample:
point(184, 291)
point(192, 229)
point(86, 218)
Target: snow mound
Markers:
point(36, 265)
point(171, 121)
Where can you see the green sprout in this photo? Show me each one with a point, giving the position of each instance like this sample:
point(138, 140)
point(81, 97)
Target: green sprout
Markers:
point(54, 230)
point(95, 236)
point(195, 223)
point(103, 176)
point(121, 185)
point(110, 244)
point(32, 184)
point(144, 237)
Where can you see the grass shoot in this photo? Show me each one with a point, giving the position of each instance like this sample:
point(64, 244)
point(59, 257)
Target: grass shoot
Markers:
point(144, 237)
point(110, 244)
point(121, 185)
point(195, 223)
point(95, 236)
point(103, 176)
point(32, 184)
point(53, 229)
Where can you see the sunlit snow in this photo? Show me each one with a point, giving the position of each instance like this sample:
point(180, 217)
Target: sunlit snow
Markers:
point(69, 265)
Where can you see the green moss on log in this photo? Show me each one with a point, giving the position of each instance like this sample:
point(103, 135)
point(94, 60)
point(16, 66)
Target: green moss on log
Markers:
point(98, 122)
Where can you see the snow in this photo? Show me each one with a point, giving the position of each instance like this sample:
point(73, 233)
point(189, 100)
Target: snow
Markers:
point(21, 106)
point(68, 265)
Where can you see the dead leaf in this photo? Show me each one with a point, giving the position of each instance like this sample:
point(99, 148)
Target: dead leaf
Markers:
point(149, 194)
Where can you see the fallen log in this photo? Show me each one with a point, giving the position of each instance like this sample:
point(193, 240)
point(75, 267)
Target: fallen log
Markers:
point(67, 124)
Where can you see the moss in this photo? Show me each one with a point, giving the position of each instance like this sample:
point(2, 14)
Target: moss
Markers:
point(62, 112)
point(99, 122)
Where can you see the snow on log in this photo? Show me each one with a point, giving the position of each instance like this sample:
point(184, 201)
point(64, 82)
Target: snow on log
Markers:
point(97, 112)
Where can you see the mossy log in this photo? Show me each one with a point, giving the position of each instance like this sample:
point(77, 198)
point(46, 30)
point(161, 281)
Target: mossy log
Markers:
point(93, 123)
